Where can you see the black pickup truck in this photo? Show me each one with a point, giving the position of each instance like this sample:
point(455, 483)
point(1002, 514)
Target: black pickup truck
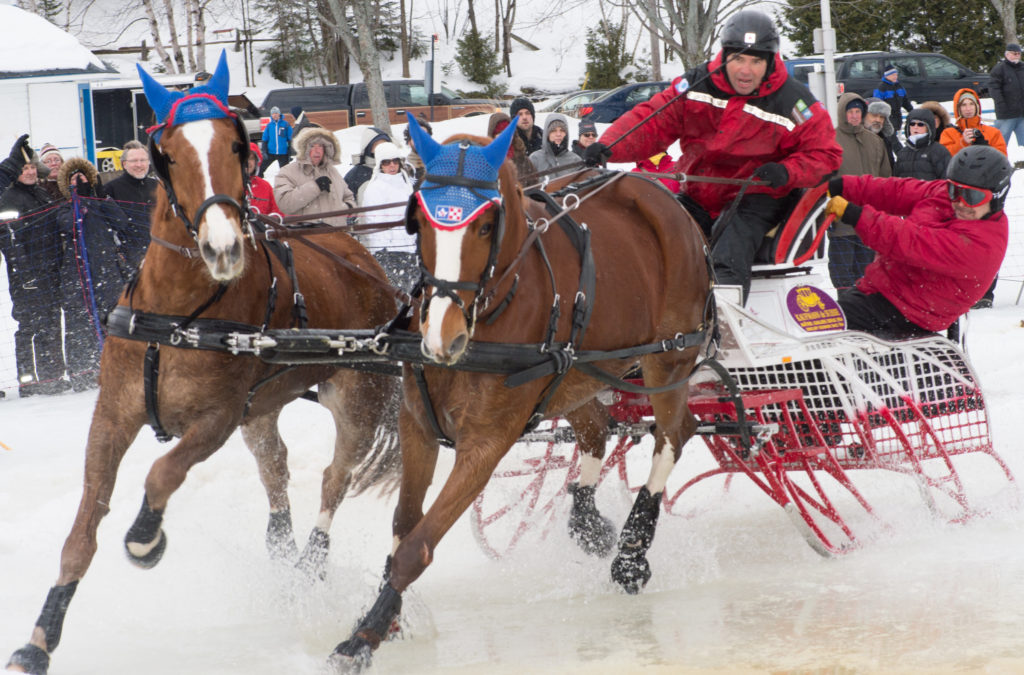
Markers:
point(340, 106)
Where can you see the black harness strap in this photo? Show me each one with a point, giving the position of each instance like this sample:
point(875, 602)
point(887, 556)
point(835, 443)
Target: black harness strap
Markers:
point(428, 405)
point(150, 375)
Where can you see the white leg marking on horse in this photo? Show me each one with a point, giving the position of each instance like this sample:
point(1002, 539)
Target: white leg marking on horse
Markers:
point(448, 257)
point(140, 550)
point(323, 521)
point(395, 541)
point(661, 467)
point(590, 469)
point(220, 233)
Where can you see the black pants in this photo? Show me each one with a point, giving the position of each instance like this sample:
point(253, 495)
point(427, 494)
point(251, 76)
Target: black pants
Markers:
point(740, 234)
point(270, 159)
point(848, 257)
point(873, 313)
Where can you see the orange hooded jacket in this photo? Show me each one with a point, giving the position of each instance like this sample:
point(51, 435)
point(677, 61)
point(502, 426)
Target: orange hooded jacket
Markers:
point(953, 137)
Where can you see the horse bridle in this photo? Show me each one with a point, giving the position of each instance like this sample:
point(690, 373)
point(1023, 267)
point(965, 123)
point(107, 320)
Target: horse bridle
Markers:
point(160, 167)
point(444, 287)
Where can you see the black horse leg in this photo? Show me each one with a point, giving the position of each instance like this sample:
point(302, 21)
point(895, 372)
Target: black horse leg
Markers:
point(31, 658)
point(594, 533)
point(280, 537)
point(355, 654)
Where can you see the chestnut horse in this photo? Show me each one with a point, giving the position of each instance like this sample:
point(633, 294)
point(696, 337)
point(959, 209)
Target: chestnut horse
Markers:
point(649, 283)
point(203, 395)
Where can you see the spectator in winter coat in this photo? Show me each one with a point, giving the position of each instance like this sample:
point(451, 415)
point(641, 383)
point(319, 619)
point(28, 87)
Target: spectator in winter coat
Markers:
point(363, 163)
point(554, 151)
point(94, 266)
point(942, 119)
point(30, 244)
point(660, 163)
point(311, 185)
point(50, 157)
point(969, 130)
point(892, 92)
point(262, 192)
point(10, 167)
point(587, 136)
point(877, 121)
point(394, 248)
point(277, 141)
point(863, 153)
point(939, 243)
point(135, 192)
point(741, 117)
point(1006, 86)
point(516, 151)
point(922, 157)
point(533, 137)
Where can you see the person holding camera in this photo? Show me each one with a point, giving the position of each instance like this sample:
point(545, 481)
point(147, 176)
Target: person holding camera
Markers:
point(968, 129)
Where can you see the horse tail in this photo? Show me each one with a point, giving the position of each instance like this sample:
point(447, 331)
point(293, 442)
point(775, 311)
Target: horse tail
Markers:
point(382, 466)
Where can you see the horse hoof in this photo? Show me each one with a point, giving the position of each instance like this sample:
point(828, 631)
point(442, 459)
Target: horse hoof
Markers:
point(280, 538)
point(313, 560)
point(30, 659)
point(144, 555)
point(351, 656)
point(631, 572)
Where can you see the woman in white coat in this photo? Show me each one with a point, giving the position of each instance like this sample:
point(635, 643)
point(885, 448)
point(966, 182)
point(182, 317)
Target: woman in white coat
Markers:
point(393, 247)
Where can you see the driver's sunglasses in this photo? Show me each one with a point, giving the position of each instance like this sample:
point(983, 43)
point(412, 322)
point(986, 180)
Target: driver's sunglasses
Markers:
point(390, 161)
point(967, 195)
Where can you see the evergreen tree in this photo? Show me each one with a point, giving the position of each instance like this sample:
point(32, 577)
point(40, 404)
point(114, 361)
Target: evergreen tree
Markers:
point(476, 57)
point(606, 56)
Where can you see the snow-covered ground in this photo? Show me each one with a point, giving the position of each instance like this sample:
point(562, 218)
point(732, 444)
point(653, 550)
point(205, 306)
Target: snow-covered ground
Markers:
point(735, 588)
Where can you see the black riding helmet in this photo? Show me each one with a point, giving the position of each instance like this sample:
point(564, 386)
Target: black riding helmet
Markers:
point(751, 32)
point(982, 166)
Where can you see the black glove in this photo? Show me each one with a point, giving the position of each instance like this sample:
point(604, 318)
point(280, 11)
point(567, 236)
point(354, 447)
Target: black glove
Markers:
point(979, 138)
point(772, 173)
point(84, 189)
point(597, 154)
point(325, 183)
point(21, 150)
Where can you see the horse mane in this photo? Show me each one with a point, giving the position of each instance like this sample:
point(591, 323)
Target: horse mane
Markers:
point(508, 177)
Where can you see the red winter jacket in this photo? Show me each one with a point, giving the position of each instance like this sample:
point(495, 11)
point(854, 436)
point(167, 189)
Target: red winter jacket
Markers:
point(262, 196)
point(931, 265)
point(724, 134)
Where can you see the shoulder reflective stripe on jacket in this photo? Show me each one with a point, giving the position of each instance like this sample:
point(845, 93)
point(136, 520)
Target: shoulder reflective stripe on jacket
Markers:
point(764, 115)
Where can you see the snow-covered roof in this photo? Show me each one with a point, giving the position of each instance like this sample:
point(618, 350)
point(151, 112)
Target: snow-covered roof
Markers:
point(32, 46)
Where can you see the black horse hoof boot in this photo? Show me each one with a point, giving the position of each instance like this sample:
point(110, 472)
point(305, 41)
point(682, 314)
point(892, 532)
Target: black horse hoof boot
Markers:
point(352, 656)
point(280, 537)
point(313, 560)
point(631, 572)
point(591, 531)
point(31, 659)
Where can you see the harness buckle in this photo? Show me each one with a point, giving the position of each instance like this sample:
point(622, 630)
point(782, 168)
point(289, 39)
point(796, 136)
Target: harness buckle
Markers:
point(131, 323)
point(378, 344)
point(573, 197)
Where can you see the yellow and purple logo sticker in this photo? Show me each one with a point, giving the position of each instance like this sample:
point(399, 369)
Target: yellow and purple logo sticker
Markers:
point(814, 310)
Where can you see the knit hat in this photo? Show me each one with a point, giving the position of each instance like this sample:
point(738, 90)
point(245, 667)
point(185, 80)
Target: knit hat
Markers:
point(965, 94)
point(386, 150)
point(587, 127)
point(47, 149)
point(521, 103)
point(558, 124)
point(1013, 47)
point(889, 70)
point(275, 110)
point(877, 106)
point(296, 111)
point(859, 103)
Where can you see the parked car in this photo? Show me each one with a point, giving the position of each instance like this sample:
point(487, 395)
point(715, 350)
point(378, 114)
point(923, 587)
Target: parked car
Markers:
point(612, 105)
point(925, 76)
point(249, 114)
point(565, 104)
point(340, 106)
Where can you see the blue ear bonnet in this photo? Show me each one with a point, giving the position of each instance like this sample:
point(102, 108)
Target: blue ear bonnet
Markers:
point(461, 179)
point(205, 102)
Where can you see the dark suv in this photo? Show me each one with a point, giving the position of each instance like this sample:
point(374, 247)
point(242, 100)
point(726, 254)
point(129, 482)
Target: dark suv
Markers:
point(926, 77)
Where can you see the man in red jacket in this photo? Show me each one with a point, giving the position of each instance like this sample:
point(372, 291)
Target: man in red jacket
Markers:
point(939, 243)
point(737, 116)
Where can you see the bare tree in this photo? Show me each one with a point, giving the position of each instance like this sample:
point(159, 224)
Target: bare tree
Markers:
point(508, 21)
point(158, 42)
point(356, 31)
point(1007, 11)
point(688, 28)
point(404, 38)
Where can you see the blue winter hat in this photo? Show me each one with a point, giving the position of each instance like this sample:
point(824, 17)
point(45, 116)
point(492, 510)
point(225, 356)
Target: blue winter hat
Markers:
point(890, 70)
point(205, 102)
point(451, 205)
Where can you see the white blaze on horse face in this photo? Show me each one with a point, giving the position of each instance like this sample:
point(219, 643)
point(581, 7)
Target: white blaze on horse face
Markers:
point(220, 233)
point(448, 265)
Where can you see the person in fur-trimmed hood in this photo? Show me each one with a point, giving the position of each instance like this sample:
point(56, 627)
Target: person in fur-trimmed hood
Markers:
point(922, 157)
point(942, 118)
point(311, 184)
point(94, 268)
point(969, 129)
